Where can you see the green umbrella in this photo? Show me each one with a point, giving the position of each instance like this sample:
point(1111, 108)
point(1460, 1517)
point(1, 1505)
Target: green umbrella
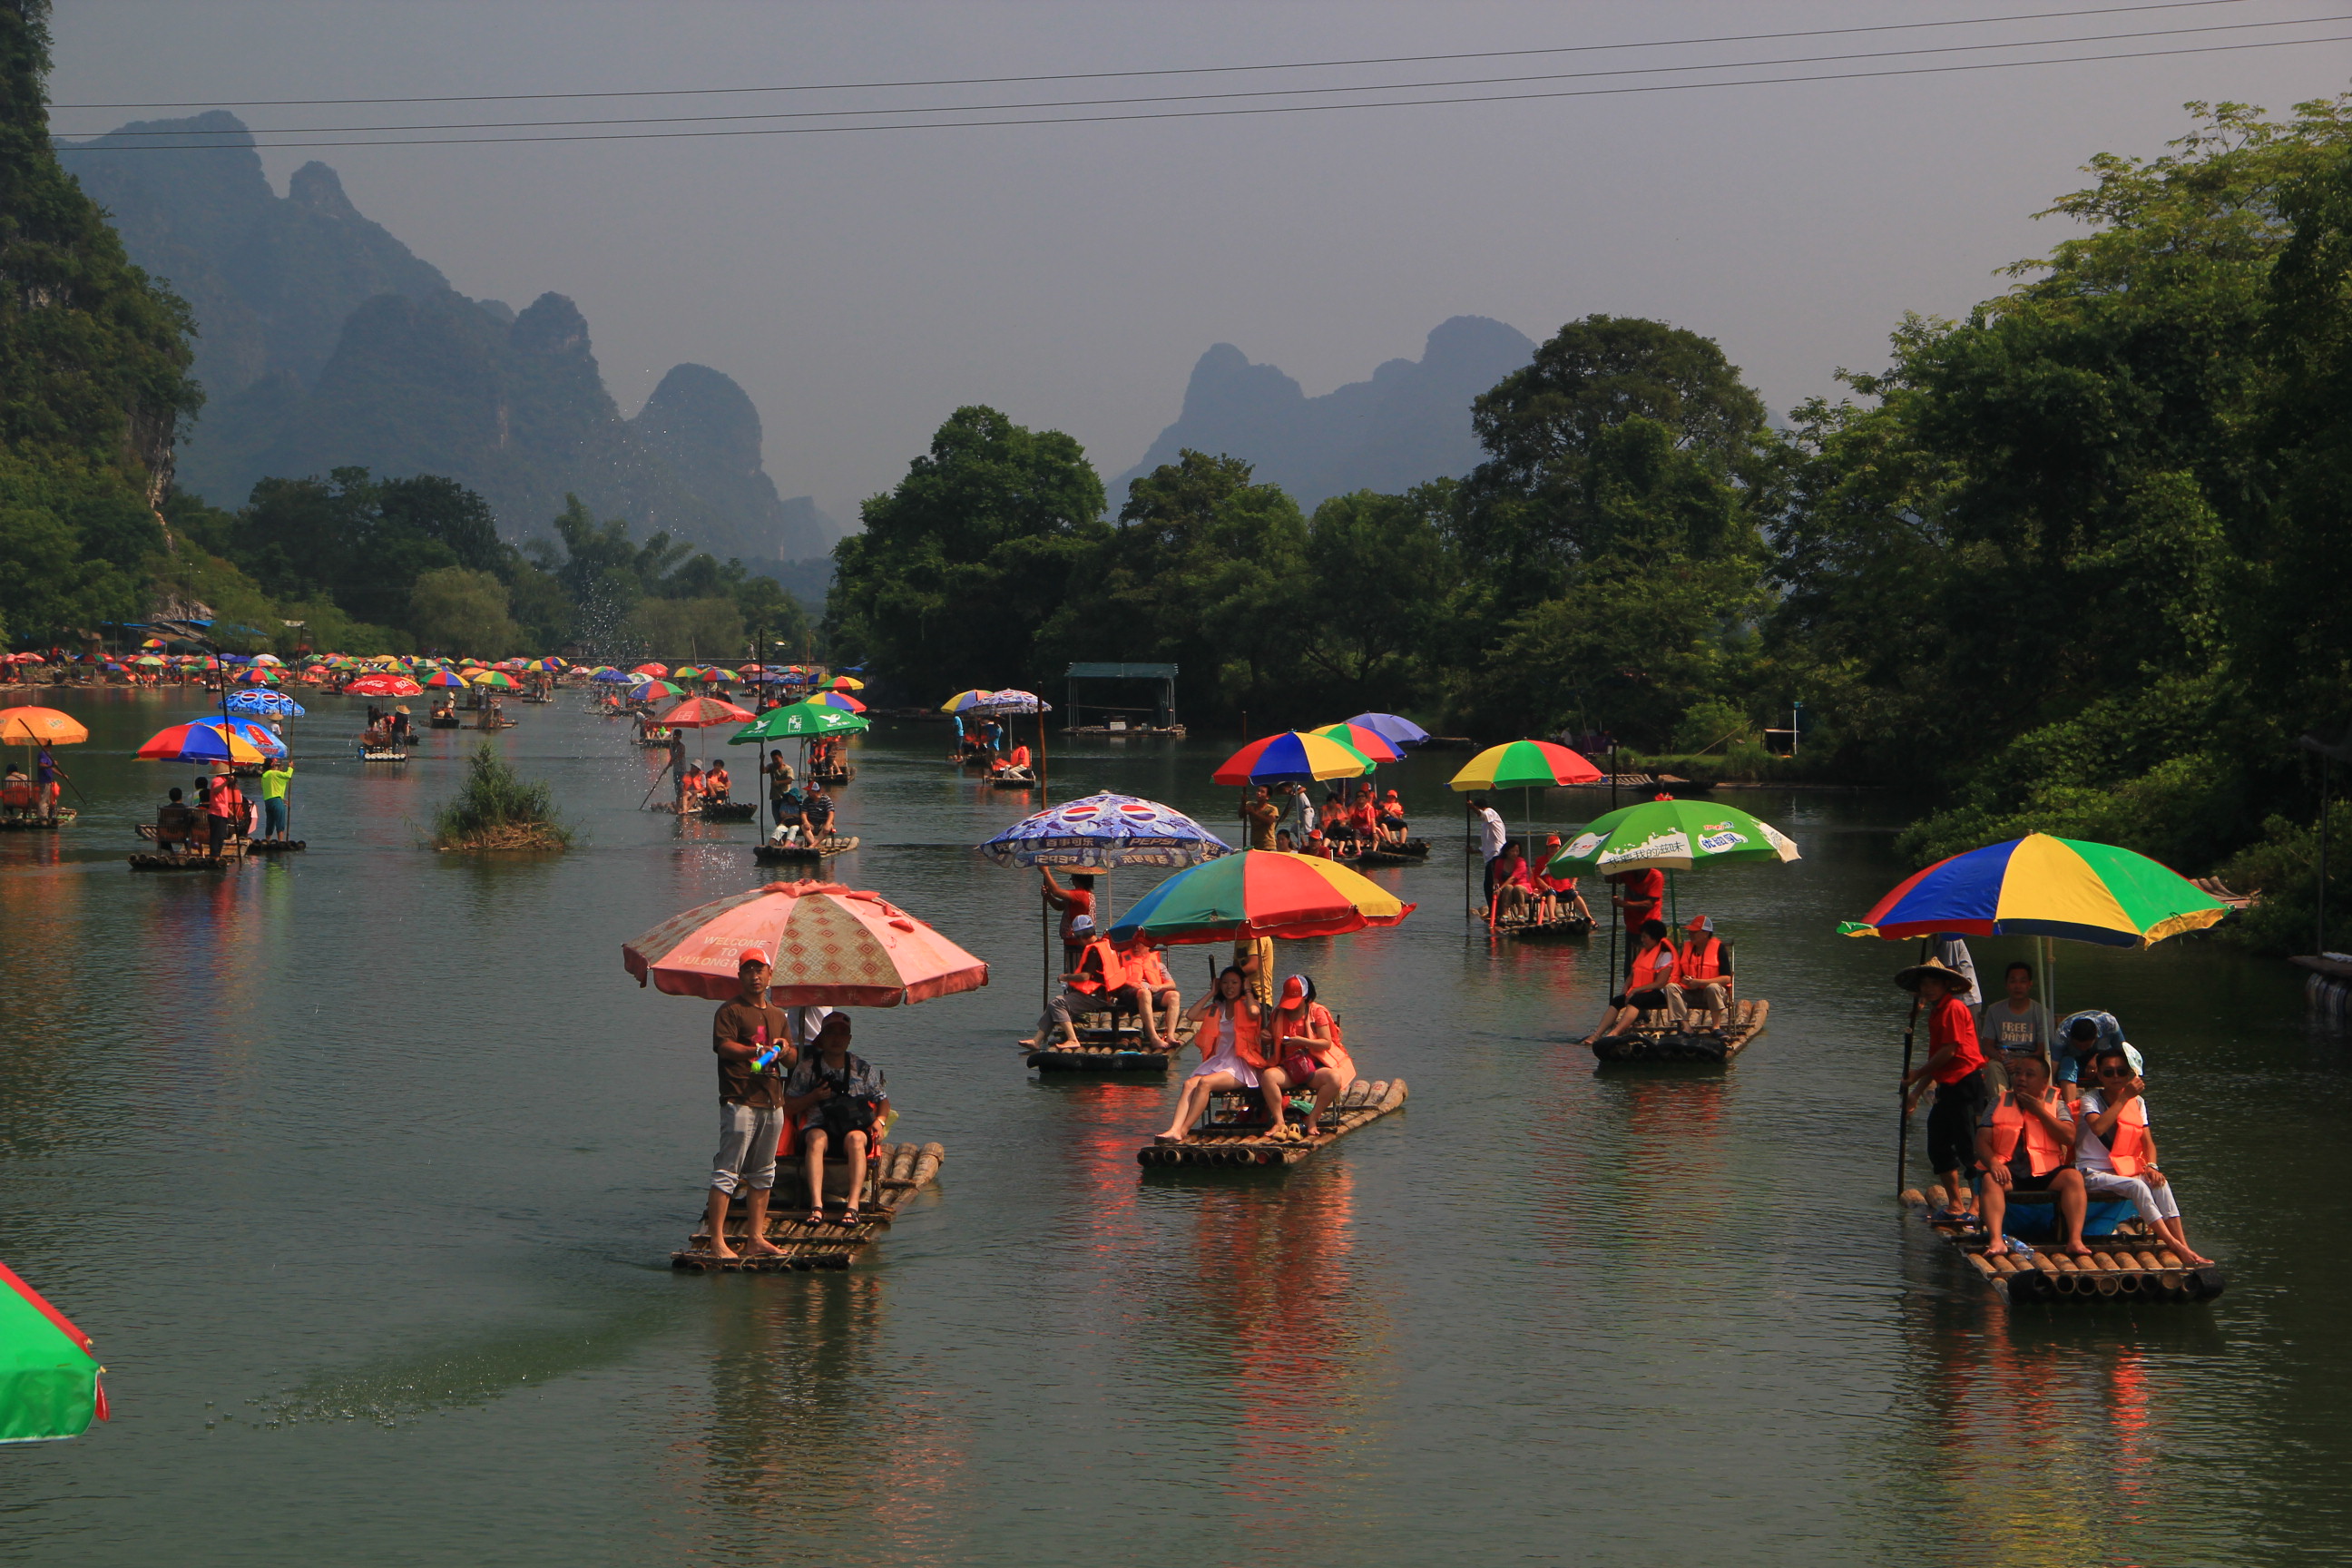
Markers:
point(797, 718)
point(48, 1376)
point(1669, 835)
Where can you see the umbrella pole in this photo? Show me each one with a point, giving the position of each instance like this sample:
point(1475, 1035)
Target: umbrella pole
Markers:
point(1045, 793)
point(1903, 1087)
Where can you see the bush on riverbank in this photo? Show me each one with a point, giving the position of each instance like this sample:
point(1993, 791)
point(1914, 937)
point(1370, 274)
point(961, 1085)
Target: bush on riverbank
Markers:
point(499, 809)
point(2282, 866)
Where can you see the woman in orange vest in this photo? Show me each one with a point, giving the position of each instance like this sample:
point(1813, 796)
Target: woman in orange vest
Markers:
point(1313, 1055)
point(2117, 1152)
point(2025, 1143)
point(1703, 975)
point(1231, 1056)
point(1648, 986)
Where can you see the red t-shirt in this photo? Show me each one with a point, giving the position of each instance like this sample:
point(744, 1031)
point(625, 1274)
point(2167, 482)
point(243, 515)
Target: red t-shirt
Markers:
point(1953, 1024)
point(1639, 886)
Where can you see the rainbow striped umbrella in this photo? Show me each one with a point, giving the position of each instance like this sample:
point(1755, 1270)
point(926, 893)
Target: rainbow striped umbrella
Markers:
point(1292, 757)
point(1260, 892)
point(841, 700)
point(2043, 886)
point(1371, 742)
point(446, 679)
point(1523, 764)
point(213, 741)
point(497, 679)
point(48, 1370)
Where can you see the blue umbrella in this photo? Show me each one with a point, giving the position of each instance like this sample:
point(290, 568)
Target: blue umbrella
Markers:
point(266, 702)
point(1396, 732)
point(616, 677)
point(1106, 832)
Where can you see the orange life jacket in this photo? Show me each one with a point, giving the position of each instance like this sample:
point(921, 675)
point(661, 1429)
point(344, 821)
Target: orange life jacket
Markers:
point(2044, 1151)
point(1703, 960)
point(1146, 967)
point(1654, 968)
point(2128, 1144)
point(1246, 1030)
point(1020, 756)
point(1108, 973)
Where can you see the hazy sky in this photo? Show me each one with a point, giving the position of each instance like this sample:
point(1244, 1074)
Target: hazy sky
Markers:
point(861, 285)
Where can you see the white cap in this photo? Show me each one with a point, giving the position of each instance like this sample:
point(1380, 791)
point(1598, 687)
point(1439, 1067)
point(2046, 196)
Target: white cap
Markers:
point(1083, 925)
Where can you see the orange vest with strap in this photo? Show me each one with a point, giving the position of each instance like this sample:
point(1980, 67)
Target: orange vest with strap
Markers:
point(1108, 973)
point(1144, 966)
point(2128, 1144)
point(1654, 968)
point(2044, 1151)
point(1245, 1043)
point(1703, 960)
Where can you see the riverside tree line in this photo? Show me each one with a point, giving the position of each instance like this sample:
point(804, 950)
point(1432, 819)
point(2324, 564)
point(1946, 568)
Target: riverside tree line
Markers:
point(2075, 562)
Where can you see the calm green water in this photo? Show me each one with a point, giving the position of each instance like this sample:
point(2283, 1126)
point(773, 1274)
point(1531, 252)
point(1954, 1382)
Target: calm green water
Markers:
point(362, 1169)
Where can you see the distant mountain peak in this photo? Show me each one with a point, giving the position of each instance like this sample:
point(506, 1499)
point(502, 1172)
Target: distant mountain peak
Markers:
point(319, 188)
point(1408, 424)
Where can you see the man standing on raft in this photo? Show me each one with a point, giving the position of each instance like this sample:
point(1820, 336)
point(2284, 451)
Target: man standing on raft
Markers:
point(753, 1043)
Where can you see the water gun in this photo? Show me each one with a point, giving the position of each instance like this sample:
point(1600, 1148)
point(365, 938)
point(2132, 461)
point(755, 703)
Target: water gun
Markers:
point(762, 1052)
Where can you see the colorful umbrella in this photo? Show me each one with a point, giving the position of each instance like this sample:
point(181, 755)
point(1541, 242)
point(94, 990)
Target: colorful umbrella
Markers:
point(1523, 764)
point(48, 1370)
point(798, 719)
point(1293, 757)
point(847, 683)
point(1669, 835)
point(1107, 833)
point(1259, 892)
point(1396, 732)
point(213, 741)
point(1370, 743)
point(645, 689)
point(446, 680)
point(1009, 701)
point(841, 700)
point(971, 701)
point(715, 673)
point(266, 658)
point(264, 702)
point(830, 946)
point(2041, 886)
point(656, 670)
point(497, 679)
point(688, 672)
point(701, 712)
point(32, 726)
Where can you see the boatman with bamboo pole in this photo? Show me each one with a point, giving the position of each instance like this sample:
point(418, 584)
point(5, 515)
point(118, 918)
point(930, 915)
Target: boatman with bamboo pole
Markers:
point(1954, 1060)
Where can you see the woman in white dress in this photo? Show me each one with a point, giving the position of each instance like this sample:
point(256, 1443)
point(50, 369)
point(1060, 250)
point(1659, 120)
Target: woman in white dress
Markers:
point(1230, 1057)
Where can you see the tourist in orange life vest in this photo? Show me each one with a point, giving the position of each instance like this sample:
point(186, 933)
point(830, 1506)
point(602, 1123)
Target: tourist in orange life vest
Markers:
point(1558, 896)
point(1316, 846)
point(2025, 1143)
point(689, 789)
point(1705, 975)
point(1393, 823)
point(1097, 977)
point(1648, 986)
point(1312, 1055)
point(715, 781)
point(1954, 1063)
point(1231, 1056)
point(1154, 995)
point(2117, 1152)
point(1515, 886)
point(1020, 756)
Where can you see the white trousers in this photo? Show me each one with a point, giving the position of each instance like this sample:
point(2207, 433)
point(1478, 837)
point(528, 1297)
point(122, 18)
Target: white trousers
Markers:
point(2153, 1203)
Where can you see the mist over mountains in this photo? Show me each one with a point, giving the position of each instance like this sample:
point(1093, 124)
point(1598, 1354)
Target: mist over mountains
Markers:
point(1409, 423)
point(324, 342)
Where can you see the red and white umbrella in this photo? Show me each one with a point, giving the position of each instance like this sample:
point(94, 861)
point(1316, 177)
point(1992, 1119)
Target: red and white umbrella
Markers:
point(830, 946)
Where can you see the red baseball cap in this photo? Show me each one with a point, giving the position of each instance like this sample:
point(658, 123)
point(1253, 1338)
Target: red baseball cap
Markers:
point(751, 956)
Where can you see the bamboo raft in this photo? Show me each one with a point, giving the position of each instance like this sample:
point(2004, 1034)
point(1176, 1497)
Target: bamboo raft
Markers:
point(803, 854)
point(1234, 1133)
point(1013, 778)
point(276, 846)
point(451, 722)
point(1411, 852)
point(2131, 1264)
point(1652, 1042)
point(730, 810)
point(836, 776)
point(231, 854)
point(900, 1171)
point(38, 824)
point(382, 755)
point(1562, 925)
point(1105, 1045)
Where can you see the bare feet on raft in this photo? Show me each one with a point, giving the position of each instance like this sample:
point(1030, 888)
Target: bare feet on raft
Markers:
point(760, 1247)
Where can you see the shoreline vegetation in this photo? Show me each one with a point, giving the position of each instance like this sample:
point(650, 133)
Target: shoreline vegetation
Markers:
point(498, 811)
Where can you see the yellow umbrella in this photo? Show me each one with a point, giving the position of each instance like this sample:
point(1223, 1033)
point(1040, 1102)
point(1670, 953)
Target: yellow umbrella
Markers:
point(35, 726)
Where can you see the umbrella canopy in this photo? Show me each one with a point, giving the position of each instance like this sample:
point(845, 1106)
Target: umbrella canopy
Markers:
point(48, 1369)
point(645, 689)
point(701, 712)
point(264, 702)
point(830, 946)
point(612, 677)
point(1523, 764)
point(496, 679)
point(266, 658)
point(2043, 886)
point(1260, 892)
point(446, 679)
point(847, 683)
point(971, 701)
point(688, 672)
point(1293, 757)
point(383, 685)
point(797, 718)
point(213, 741)
point(716, 672)
point(32, 726)
point(1009, 701)
point(1371, 742)
point(653, 669)
point(1396, 732)
point(841, 700)
point(1106, 833)
point(1669, 835)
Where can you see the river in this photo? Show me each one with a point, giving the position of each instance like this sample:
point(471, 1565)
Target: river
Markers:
point(362, 1169)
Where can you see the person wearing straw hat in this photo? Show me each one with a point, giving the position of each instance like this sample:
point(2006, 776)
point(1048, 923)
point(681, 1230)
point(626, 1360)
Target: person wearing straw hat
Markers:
point(1954, 1061)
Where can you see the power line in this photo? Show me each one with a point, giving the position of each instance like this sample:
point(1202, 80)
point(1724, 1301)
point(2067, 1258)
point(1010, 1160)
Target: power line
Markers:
point(1220, 114)
point(1171, 70)
point(1248, 92)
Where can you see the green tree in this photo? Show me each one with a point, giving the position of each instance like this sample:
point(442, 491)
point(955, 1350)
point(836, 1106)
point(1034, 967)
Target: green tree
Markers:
point(960, 565)
point(457, 611)
point(1380, 574)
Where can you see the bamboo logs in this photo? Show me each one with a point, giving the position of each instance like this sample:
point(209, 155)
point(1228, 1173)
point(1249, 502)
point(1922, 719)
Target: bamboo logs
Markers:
point(898, 1171)
point(1237, 1145)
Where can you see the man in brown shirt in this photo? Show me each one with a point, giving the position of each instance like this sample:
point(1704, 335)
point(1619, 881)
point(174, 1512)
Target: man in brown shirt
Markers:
point(1259, 814)
point(754, 1047)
